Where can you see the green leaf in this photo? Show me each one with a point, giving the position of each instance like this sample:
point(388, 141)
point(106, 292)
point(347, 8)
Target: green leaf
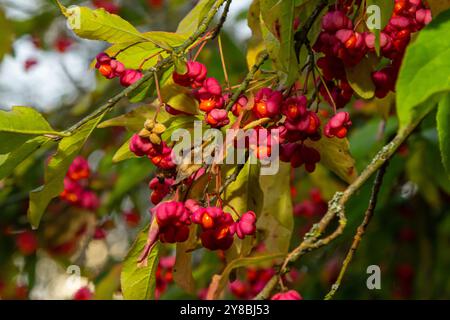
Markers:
point(123, 153)
point(276, 219)
point(144, 55)
point(179, 98)
point(131, 173)
point(192, 20)
point(335, 155)
point(425, 71)
point(139, 282)
point(68, 149)
point(443, 127)
point(420, 172)
point(6, 40)
point(242, 195)
point(178, 122)
point(219, 281)
point(108, 285)
point(9, 141)
point(8, 162)
point(256, 44)
point(360, 76)
point(182, 272)
point(133, 120)
point(101, 25)
point(278, 16)
point(25, 120)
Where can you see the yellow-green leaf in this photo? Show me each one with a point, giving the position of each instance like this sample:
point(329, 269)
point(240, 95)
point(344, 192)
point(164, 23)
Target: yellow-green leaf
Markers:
point(335, 155)
point(276, 220)
point(99, 24)
point(424, 74)
point(68, 149)
point(123, 153)
point(9, 161)
point(192, 20)
point(6, 39)
point(182, 272)
point(139, 282)
point(360, 76)
point(179, 98)
point(25, 120)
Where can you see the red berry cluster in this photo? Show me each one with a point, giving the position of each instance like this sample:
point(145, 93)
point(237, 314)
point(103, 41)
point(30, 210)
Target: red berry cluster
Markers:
point(161, 188)
point(207, 91)
point(148, 143)
point(217, 227)
point(343, 46)
point(75, 186)
point(111, 68)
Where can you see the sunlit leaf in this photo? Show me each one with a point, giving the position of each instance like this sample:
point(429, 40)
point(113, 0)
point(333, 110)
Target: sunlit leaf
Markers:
point(425, 59)
point(192, 20)
point(99, 24)
point(123, 153)
point(25, 120)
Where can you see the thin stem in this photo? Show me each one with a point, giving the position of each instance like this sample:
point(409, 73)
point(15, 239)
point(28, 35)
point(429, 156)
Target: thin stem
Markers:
point(222, 59)
point(149, 58)
point(327, 90)
point(244, 85)
point(361, 229)
point(124, 49)
point(199, 50)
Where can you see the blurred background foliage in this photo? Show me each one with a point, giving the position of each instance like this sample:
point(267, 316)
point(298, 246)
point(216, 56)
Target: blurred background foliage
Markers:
point(44, 65)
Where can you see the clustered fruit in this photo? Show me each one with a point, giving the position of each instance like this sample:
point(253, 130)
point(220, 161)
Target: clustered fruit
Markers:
point(111, 68)
point(217, 227)
point(75, 190)
point(148, 143)
point(343, 46)
point(207, 91)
